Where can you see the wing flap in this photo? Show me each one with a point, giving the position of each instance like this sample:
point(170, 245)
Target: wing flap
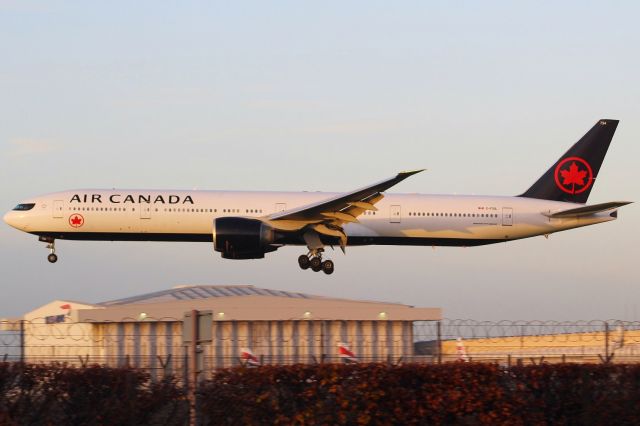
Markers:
point(344, 217)
point(364, 205)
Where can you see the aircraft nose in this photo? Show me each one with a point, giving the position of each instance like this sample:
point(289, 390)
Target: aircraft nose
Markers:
point(7, 218)
point(10, 219)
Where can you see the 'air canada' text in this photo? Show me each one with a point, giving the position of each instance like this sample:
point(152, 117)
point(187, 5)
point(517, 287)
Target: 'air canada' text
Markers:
point(121, 198)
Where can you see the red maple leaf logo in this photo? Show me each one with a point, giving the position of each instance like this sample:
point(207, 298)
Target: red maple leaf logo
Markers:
point(76, 221)
point(573, 175)
point(575, 179)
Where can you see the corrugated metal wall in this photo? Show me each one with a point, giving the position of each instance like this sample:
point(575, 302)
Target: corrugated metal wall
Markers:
point(149, 344)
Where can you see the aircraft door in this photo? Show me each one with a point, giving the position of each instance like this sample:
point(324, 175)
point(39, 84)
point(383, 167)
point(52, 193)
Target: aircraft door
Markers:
point(58, 207)
point(394, 214)
point(507, 216)
point(280, 207)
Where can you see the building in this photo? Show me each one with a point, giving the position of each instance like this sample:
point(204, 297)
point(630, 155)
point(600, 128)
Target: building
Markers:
point(619, 342)
point(275, 326)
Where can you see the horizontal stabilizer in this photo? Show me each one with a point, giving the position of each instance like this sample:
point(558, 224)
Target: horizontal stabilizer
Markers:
point(588, 210)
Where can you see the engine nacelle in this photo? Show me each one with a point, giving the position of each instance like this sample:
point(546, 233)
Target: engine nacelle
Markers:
point(242, 238)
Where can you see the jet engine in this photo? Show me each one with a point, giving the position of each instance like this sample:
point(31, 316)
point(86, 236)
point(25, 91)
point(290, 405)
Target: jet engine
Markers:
point(242, 238)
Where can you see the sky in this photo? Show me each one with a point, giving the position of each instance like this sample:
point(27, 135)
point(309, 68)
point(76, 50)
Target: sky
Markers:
point(288, 95)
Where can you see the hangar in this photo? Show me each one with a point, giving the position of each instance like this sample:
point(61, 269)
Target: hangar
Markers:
point(277, 327)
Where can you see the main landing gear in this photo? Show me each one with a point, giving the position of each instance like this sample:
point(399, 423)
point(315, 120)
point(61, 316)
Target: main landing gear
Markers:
point(51, 245)
point(314, 261)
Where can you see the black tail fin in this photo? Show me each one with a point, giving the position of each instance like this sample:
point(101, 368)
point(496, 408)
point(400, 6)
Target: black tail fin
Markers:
point(572, 177)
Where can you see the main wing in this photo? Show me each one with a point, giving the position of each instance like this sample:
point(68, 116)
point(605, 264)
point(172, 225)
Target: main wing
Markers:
point(328, 216)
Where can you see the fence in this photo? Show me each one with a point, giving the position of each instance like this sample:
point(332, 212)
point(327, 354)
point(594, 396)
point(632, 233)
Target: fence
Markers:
point(527, 342)
point(157, 345)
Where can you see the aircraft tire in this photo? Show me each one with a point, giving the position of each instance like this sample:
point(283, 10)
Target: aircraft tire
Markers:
point(328, 267)
point(52, 258)
point(316, 264)
point(303, 261)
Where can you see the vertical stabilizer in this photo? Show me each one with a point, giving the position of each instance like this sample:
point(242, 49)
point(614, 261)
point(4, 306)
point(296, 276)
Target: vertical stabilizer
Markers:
point(572, 177)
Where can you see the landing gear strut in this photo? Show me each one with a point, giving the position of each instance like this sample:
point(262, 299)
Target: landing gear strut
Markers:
point(314, 261)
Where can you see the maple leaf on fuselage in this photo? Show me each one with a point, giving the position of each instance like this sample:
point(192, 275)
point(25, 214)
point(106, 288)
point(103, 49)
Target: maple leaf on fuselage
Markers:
point(573, 175)
point(76, 220)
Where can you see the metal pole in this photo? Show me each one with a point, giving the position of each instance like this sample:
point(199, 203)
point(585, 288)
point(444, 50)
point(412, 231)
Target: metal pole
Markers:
point(22, 354)
point(606, 342)
point(193, 368)
point(321, 342)
point(439, 341)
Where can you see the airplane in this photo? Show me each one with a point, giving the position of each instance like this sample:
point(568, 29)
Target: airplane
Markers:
point(247, 225)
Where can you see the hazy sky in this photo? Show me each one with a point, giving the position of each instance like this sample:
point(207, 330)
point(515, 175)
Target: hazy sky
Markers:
point(323, 96)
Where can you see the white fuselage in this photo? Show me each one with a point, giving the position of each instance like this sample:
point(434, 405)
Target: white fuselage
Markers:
point(401, 219)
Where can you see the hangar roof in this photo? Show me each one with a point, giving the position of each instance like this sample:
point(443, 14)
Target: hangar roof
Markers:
point(194, 292)
point(236, 303)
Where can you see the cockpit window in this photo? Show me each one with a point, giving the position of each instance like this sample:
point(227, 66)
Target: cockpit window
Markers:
point(23, 207)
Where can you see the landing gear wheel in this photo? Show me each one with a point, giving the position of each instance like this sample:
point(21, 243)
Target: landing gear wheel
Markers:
point(328, 267)
point(303, 261)
point(53, 258)
point(316, 264)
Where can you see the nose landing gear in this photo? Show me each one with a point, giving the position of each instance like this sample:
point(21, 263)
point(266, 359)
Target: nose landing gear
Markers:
point(52, 258)
point(314, 261)
point(51, 245)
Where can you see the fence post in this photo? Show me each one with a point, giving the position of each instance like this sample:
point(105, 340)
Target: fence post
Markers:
point(607, 357)
point(193, 367)
point(22, 355)
point(439, 341)
point(84, 361)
